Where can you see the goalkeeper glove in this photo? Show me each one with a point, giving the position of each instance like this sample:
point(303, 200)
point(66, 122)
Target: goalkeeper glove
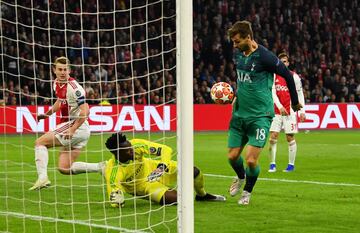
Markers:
point(157, 173)
point(117, 198)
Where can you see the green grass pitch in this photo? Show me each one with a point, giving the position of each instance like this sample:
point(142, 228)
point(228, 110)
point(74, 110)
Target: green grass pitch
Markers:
point(322, 195)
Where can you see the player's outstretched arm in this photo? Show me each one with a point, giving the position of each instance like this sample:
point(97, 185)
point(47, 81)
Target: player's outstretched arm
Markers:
point(53, 109)
point(115, 191)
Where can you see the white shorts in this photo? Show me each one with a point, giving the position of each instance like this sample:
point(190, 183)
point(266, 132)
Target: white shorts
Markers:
point(289, 123)
point(78, 140)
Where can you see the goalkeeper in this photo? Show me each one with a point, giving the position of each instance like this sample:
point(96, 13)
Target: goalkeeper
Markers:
point(133, 169)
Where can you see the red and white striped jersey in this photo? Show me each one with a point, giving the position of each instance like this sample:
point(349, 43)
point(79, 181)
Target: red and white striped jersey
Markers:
point(71, 95)
point(281, 94)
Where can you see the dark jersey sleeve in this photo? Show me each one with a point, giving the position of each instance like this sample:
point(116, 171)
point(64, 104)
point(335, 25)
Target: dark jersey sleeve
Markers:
point(274, 65)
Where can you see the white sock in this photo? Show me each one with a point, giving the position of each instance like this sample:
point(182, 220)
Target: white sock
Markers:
point(82, 167)
point(292, 152)
point(41, 161)
point(273, 147)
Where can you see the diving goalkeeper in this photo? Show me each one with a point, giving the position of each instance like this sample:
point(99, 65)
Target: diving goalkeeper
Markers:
point(134, 169)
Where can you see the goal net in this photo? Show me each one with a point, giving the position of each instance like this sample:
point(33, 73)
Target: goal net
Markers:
point(124, 55)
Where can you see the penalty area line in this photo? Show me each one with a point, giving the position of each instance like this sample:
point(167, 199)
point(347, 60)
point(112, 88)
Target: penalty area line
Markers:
point(293, 181)
point(84, 223)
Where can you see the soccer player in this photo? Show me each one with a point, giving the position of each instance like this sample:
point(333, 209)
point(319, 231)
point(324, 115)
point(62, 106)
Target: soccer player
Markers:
point(253, 107)
point(72, 133)
point(285, 116)
point(143, 168)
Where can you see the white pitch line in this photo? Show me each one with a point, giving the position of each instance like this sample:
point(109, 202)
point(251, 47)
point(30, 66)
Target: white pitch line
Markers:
point(293, 181)
point(230, 177)
point(354, 144)
point(84, 223)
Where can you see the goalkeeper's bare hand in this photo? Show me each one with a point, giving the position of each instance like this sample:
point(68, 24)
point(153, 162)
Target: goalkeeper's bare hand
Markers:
point(117, 198)
point(157, 173)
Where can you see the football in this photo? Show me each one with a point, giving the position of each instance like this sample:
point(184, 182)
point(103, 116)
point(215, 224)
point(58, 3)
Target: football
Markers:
point(222, 93)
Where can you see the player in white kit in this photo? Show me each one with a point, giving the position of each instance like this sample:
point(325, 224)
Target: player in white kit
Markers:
point(285, 117)
point(71, 134)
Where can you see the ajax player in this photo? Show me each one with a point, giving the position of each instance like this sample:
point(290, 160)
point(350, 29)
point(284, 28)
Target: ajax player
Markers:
point(285, 117)
point(71, 134)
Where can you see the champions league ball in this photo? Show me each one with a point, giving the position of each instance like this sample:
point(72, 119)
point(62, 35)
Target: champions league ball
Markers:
point(222, 93)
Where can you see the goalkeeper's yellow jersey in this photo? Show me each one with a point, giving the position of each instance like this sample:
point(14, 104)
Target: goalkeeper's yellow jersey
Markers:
point(128, 176)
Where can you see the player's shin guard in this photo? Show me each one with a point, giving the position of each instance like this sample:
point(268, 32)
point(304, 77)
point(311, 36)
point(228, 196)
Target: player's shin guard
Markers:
point(82, 167)
point(272, 150)
point(41, 161)
point(292, 152)
point(251, 177)
point(238, 166)
point(199, 184)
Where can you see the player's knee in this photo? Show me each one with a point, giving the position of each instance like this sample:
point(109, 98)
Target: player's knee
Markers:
point(273, 141)
point(64, 171)
point(233, 155)
point(290, 137)
point(39, 142)
point(196, 172)
point(251, 162)
point(274, 136)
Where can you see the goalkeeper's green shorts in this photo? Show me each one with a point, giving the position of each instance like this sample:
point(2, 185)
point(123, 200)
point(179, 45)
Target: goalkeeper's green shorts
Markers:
point(253, 131)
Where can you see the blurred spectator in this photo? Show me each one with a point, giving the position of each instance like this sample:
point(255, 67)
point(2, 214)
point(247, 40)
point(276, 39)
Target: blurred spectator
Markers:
point(351, 98)
point(327, 97)
point(103, 57)
point(26, 98)
point(101, 74)
point(324, 50)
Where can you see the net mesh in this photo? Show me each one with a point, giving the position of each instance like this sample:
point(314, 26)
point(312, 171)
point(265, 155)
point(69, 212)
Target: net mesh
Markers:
point(123, 53)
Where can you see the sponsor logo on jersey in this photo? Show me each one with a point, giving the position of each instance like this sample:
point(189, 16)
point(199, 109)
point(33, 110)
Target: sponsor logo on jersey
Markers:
point(243, 77)
point(281, 88)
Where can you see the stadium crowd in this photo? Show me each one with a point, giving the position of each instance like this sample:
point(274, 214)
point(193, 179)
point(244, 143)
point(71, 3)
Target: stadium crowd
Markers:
point(321, 37)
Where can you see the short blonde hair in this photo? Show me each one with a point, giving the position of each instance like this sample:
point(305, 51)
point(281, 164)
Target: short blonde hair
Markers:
point(61, 60)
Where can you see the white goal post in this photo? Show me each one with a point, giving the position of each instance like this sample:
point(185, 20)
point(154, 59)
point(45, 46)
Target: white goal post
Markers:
point(185, 125)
